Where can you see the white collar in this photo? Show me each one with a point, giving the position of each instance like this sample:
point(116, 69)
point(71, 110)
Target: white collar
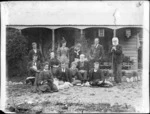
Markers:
point(96, 45)
point(95, 70)
point(35, 50)
point(45, 70)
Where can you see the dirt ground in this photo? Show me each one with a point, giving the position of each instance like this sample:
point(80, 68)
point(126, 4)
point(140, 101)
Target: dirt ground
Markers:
point(126, 97)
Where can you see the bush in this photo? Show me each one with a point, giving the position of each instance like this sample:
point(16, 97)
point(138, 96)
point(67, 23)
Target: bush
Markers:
point(16, 50)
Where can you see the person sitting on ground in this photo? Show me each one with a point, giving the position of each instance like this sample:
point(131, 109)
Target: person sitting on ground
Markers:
point(34, 68)
point(44, 81)
point(63, 73)
point(75, 74)
point(54, 63)
point(96, 77)
point(83, 68)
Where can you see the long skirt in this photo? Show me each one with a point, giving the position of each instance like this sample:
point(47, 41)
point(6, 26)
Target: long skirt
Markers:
point(48, 88)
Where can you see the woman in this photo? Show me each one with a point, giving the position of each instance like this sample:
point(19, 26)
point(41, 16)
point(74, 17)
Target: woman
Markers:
point(63, 53)
point(44, 82)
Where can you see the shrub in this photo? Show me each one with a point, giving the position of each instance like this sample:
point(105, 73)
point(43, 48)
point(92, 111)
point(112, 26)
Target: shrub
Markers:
point(16, 50)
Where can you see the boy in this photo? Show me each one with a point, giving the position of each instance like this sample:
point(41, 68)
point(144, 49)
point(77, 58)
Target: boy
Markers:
point(96, 76)
point(34, 67)
point(44, 81)
point(63, 73)
point(75, 74)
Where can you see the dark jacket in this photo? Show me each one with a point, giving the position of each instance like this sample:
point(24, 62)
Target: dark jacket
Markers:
point(31, 53)
point(74, 73)
point(44, 76)
point(32, 72)
point(84, 67)
point(96, 53)
point(73, 54)
point(116, 55)
point(64, 76)
point(53, 62)
point(98, 75)
point(38, 64)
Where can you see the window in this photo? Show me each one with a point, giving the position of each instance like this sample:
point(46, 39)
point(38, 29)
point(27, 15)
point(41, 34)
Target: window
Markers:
point(101, 32)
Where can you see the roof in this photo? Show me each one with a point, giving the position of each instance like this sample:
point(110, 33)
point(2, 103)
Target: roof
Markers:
point(74, 13)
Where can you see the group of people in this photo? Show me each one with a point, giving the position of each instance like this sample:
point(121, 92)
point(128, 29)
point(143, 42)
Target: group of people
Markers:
point(72, 67)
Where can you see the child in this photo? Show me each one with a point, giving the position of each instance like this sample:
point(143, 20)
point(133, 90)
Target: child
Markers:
point(63, 73)
point(44, 81)
point(96, 75)
point(34, 68)
point(75, 74)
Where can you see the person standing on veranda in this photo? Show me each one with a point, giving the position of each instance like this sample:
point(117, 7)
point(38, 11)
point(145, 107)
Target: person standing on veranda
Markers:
point(63, 53)
point(35, 51)
point(116, 54)
point(96, 52)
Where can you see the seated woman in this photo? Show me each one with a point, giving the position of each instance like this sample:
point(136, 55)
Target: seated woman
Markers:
point(34, 68)
point(44, 81)
point(83, 68)
point(53, 63)
point(96, 77)
point(75, 74)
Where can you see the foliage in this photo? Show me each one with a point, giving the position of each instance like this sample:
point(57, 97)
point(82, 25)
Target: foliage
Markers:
point(16, 50)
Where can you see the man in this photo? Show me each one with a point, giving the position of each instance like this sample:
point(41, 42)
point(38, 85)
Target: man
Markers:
point(75, 53)
point(96, 51)
point(34, 68)
point(35, 51)
point(96, 76)
point(83, 68)
point(116, 53)
point(63, 73)
point(44, 81)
